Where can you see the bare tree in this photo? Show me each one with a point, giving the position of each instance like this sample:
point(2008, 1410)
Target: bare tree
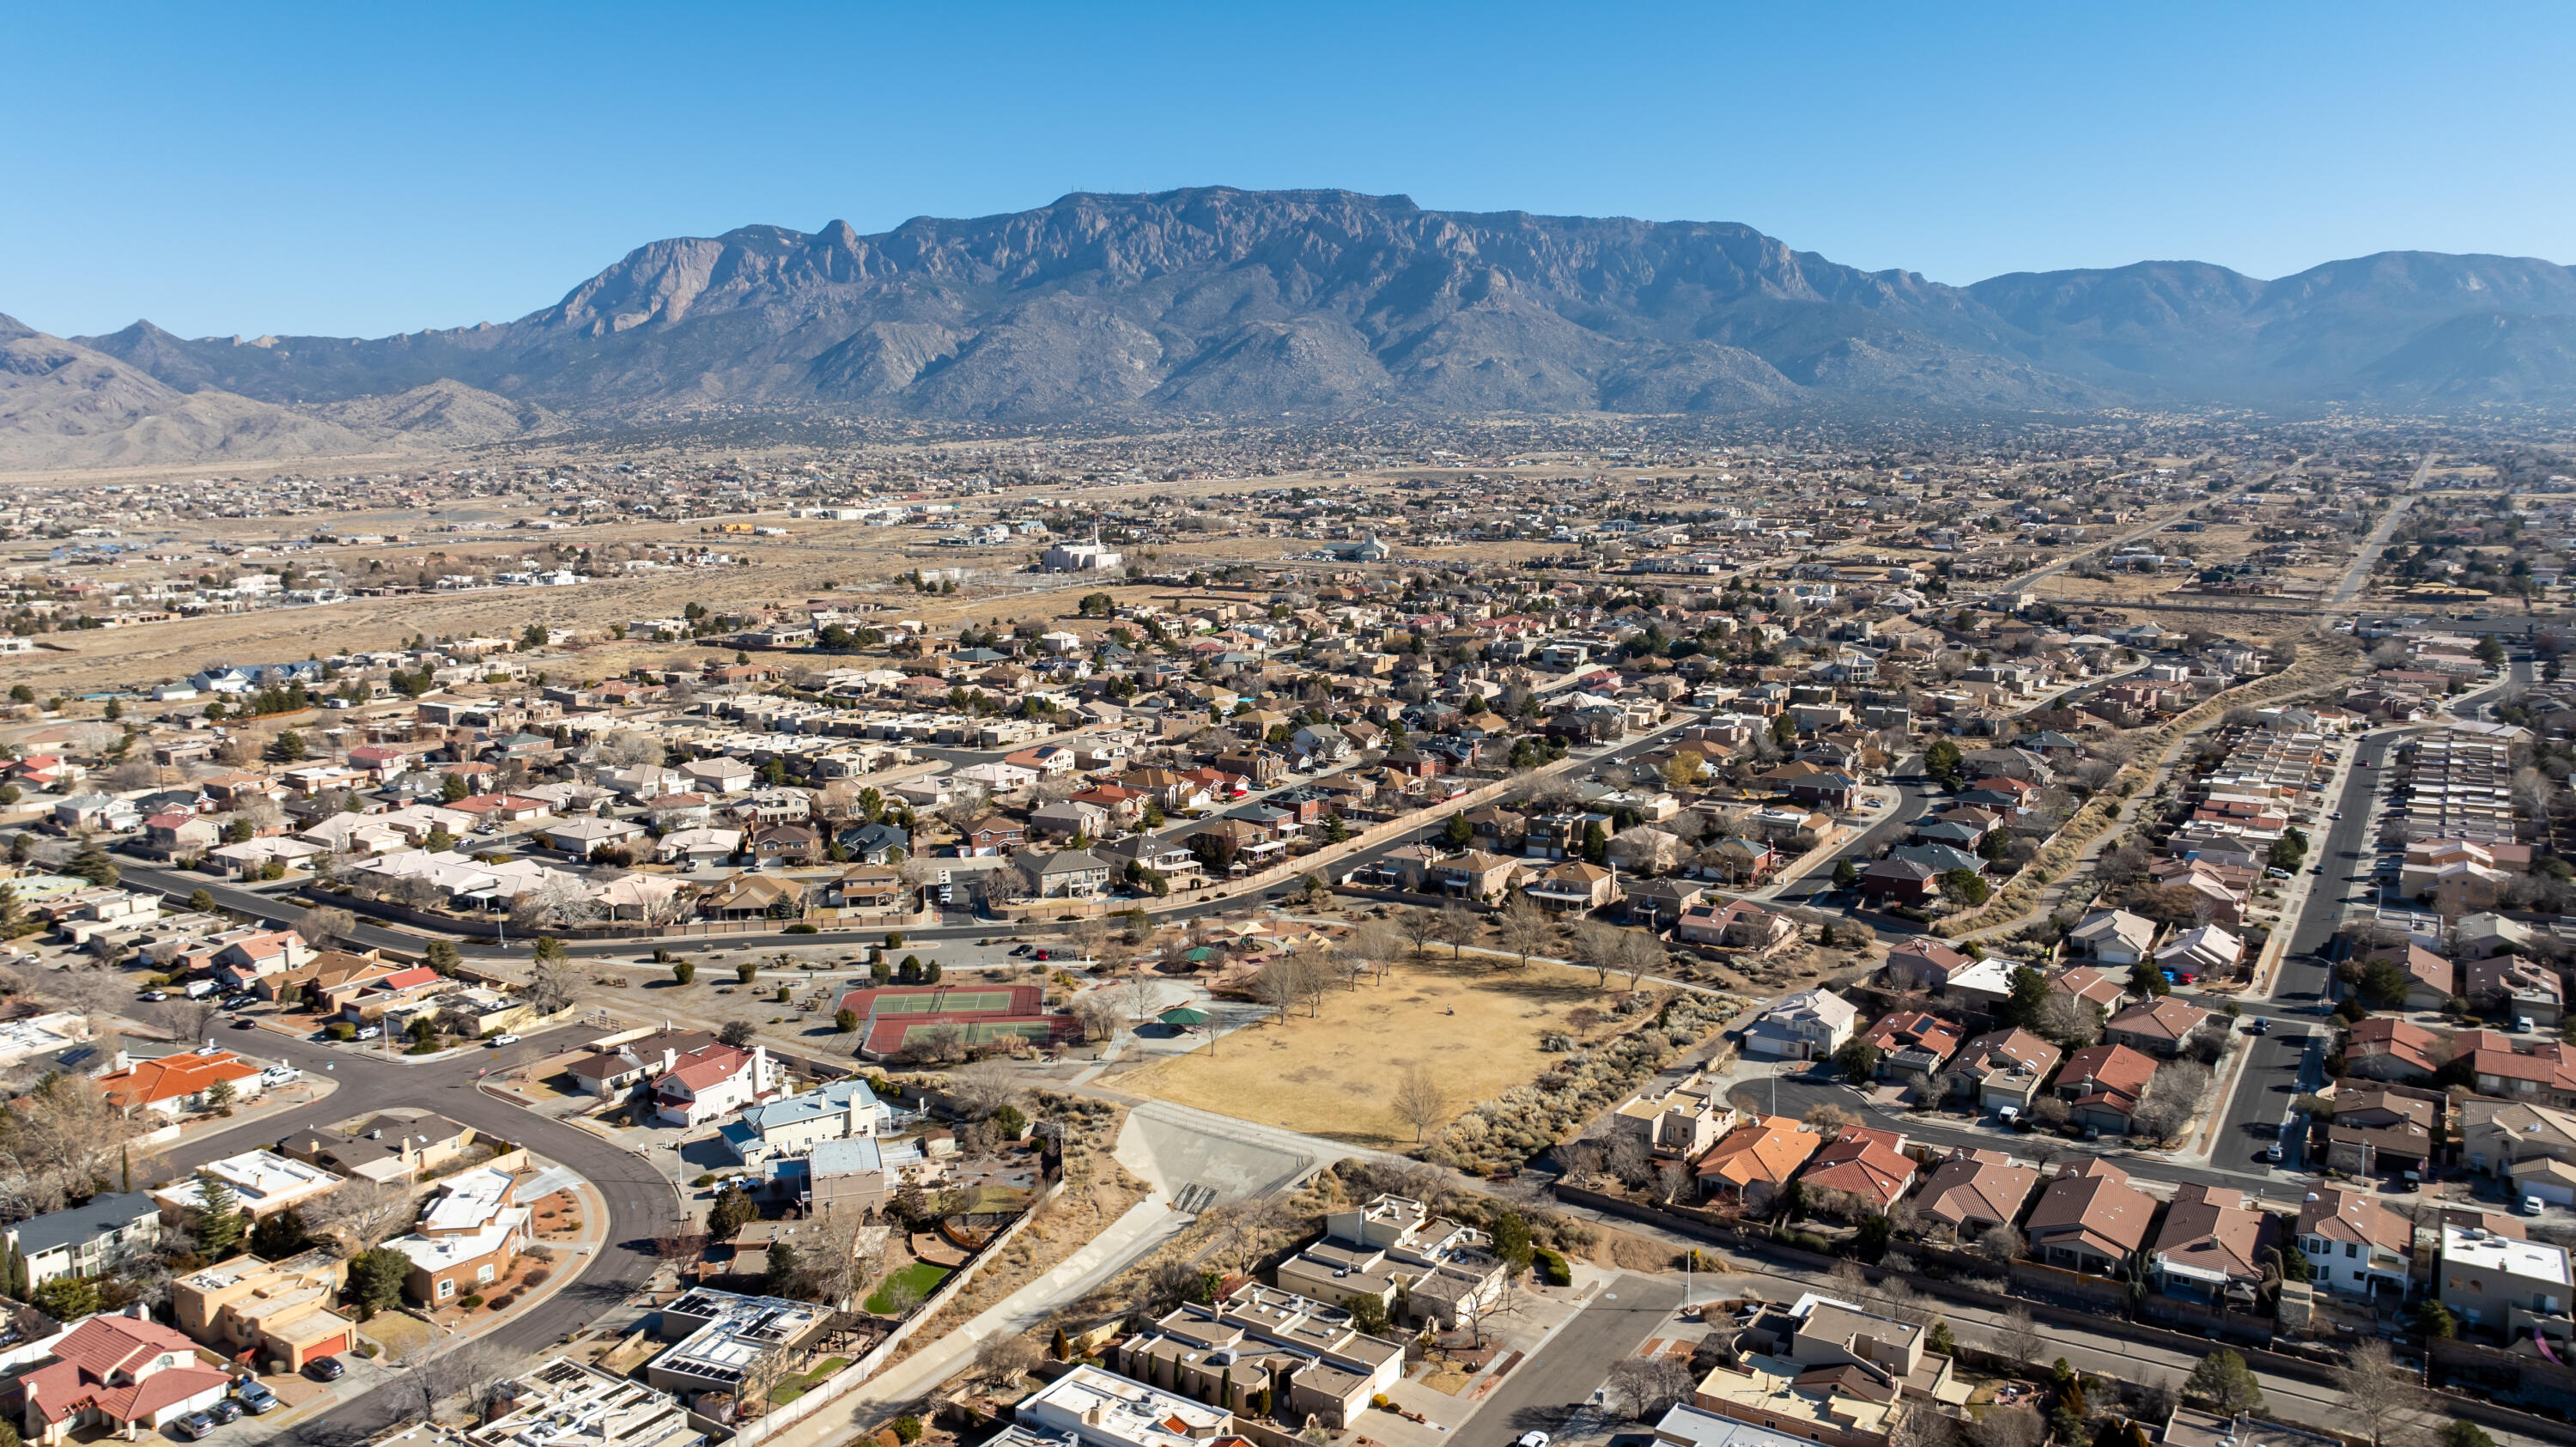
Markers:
point(441, 1372)
point(550, 986)
point(1004, 1357)
point(324, 926)
point(628, 749)
point(1140, 994)
point(1638, 955)
point(2017, 1337)
point(1419, 928)
point(1647, 1387)
point(558, 900)
point(1526, 929)
point(831, 1268)
point(1419, 1100)
point(1097, 1016)
point(1314, 979)
point(1278, 986)
point(62, 1139)
point(982, 1087)
point(1453, 926)
point(188, 1021)
point(2379, 1393)
point(2172, 1097)
point(1087, 936)
point(361, 1212)
point(1597, 944)
point(1375, 943)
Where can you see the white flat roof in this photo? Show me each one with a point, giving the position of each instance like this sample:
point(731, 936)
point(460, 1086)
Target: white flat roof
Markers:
point(2530, 1260)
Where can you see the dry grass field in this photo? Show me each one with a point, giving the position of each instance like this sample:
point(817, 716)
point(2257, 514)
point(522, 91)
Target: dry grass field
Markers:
point(1332, 1075)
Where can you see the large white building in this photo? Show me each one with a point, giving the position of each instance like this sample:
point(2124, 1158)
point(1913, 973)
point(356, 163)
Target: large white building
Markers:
point(1080, 558)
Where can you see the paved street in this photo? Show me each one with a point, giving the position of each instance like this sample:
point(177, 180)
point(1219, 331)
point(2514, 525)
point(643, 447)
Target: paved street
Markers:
point(1541, 1392)
point(641, 1202)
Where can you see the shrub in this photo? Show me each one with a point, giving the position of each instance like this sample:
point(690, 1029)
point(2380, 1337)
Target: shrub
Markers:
point(537, 1278)
point(907, 1428)
point(1552, 1268)
point(368, 1349)
point(470, 1300)
point(504, 1299)
point(341, 1030)
point(684, 971)
point(801, 929)
point(705, 1179)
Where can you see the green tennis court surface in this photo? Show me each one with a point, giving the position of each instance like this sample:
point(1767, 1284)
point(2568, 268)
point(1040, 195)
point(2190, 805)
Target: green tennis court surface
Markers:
point(962, 1002)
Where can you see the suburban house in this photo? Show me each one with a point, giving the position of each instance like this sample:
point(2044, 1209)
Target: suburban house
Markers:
point(93, 1238)
point(712, 1081)
point(1809, 1025)
point(2506, 1285)
point(119, 1375)
point(1392, 1242)
point(1869, 1165)
point(1924, 964)
point(1732, 923)
point(263, 1183)
point(2211, 1246)
point(1064, 874)
point(2102, 1085)
point(173, 1085)
point(389, 1148)
point(1913, 1046)
point(2384, 1047)
point(1573, 887)
point(1975, 1191)
point(2355, 1245)
point(2156, 1027)
point(2201, 952)
point(619, 1067)
point(273, 1316)
point(2004, 1068)
point(1754, 1161)
point(793, 1125)
point(1682, 1121)
point(2113, 937)
point(1262, 1338)
point(2386, 1129)
point(2511, 1139)
point(2090, 1219)
point(466, 1238)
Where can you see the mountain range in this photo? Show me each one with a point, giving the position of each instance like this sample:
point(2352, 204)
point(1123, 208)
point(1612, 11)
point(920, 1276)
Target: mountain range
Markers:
point(1213, 303)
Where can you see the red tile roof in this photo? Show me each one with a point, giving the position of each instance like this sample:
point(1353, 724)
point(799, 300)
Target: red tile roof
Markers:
point(172, 1077)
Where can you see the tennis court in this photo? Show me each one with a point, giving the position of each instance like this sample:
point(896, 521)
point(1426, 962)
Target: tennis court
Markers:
point(944, 1002)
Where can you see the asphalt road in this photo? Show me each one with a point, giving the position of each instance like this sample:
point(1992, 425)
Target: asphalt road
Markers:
point(642, 1203)
point(1914, 800)
point(1541, 1393)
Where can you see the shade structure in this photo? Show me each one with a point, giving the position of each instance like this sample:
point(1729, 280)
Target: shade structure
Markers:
point(1183, 1015)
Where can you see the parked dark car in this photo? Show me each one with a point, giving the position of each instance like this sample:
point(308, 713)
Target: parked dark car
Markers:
point(325, 1369)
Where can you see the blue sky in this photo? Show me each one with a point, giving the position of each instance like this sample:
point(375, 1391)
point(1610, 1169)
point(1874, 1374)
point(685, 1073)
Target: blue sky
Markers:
point(360, 170)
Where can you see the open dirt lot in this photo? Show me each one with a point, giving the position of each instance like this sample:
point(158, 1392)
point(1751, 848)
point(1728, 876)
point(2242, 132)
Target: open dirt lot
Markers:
point(1331, 1076)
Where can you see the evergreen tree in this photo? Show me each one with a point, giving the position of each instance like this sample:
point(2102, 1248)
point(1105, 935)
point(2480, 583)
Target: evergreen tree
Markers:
point(376, 1280)
point(279, 1236)
point(219, 1226)
point(91, 863)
